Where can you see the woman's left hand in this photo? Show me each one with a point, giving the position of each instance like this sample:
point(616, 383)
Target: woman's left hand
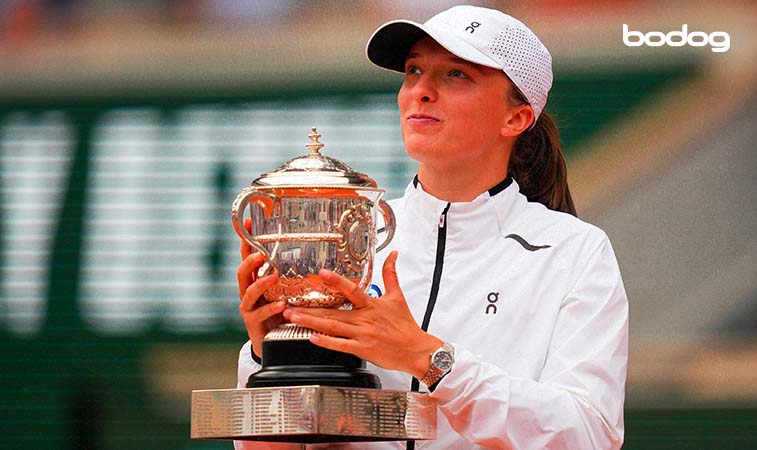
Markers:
point(380, 330)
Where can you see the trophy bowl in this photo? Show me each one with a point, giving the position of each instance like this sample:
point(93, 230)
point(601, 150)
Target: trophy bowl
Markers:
point(313, 213)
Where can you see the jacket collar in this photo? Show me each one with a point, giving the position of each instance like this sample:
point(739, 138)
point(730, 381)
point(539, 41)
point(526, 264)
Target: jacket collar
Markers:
point(500, 201)
point(496, 189)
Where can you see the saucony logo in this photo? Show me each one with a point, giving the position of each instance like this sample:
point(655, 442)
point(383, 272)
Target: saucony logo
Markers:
point(525, 244)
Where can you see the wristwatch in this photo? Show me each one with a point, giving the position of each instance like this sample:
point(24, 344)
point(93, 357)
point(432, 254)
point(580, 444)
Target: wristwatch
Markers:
point(442, 360)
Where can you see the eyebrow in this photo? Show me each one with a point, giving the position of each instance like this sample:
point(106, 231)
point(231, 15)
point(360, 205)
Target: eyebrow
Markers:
point(452, 58)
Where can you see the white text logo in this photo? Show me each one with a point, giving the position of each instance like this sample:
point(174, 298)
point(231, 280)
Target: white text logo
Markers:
point(719, 41)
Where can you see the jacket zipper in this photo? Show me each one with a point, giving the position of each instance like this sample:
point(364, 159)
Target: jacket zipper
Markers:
point(441, 243)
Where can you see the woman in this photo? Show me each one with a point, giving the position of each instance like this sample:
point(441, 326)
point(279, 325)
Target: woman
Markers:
point(510, 310)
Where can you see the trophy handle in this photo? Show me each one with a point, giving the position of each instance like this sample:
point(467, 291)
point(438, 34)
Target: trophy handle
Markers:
point(389, 223)
point(267, 202)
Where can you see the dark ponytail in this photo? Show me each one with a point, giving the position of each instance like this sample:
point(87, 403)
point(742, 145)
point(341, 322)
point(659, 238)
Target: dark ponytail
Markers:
point(537, 164)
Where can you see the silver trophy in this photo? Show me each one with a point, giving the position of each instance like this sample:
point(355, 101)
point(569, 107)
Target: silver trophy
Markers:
point(315, 213)
point(312, 213)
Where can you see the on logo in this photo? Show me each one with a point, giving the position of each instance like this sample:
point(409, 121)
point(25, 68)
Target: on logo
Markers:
point(472, 27)
point(492, 298)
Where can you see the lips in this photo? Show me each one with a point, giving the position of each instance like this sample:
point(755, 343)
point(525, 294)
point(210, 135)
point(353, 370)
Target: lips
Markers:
point(422, 119)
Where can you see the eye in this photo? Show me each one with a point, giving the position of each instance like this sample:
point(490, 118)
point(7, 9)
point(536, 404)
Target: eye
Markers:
point(456, 73)
point(412, 70)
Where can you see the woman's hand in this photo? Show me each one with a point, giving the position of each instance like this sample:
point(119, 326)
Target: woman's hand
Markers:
point(259, 316)
point(382, 331)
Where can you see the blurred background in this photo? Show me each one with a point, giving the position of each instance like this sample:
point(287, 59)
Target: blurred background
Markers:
point(127, 128)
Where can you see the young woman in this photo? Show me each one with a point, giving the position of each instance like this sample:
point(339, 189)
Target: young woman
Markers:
point(509, 310)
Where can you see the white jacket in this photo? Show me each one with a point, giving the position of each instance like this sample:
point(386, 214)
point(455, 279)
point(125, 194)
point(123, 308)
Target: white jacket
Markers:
point(533, 302)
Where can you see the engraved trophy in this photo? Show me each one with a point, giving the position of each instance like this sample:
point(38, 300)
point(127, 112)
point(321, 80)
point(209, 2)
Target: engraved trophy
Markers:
point(311, 213)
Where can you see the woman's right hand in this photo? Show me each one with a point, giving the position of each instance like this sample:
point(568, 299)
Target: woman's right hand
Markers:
point(258, 315)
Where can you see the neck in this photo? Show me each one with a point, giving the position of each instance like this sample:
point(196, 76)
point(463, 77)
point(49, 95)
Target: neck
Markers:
point(458, 184)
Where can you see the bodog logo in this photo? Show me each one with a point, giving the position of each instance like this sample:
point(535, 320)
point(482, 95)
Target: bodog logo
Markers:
point(719, 41)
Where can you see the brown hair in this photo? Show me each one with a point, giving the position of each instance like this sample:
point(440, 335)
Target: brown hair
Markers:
point(537, 163)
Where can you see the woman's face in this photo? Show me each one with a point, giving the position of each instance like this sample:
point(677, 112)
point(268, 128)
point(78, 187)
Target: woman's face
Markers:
point(452, 111)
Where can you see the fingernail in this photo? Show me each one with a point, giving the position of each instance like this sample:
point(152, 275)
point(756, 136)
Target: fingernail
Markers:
point(291, 315)
point(326, 274)
point(269, 279)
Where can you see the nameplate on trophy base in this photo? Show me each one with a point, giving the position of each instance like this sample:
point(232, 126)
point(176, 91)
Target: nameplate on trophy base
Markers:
point(312, 414)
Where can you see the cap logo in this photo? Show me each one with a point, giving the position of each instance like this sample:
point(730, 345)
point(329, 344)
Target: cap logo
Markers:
point(472, 27)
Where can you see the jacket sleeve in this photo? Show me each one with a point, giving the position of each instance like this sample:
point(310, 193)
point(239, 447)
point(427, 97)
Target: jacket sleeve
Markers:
point(577, 403)
point(246, 367)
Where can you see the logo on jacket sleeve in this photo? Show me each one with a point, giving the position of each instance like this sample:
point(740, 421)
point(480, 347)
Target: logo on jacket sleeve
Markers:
point(525, 244)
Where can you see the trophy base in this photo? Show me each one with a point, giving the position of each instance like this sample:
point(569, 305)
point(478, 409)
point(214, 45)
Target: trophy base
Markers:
point(313, 375)
point(298, 362)
point(312, 414)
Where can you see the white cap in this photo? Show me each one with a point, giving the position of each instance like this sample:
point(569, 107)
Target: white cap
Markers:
point(479, 35)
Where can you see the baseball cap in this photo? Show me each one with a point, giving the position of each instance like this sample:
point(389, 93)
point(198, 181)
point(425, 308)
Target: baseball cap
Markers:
point(479, 35)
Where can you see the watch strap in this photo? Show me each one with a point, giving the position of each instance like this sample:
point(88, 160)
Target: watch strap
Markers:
point(435, 373)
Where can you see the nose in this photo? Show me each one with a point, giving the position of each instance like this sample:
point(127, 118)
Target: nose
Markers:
point(425, 90)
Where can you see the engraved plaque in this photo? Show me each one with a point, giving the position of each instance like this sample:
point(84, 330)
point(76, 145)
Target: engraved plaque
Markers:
point(309, 414)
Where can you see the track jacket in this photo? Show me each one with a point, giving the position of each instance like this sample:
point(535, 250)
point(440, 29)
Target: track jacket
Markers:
point(533, 302)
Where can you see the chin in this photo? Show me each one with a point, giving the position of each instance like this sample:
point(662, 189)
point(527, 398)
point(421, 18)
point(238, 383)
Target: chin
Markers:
point(418, 143)
point(418, 150)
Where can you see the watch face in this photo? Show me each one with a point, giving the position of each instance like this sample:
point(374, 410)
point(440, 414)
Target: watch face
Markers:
point(443, 360)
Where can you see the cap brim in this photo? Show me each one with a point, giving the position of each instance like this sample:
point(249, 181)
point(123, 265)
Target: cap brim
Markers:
point(389, 46)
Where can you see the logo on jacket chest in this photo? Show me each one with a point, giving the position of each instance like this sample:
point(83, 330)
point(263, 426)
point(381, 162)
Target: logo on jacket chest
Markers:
point(491, 302)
